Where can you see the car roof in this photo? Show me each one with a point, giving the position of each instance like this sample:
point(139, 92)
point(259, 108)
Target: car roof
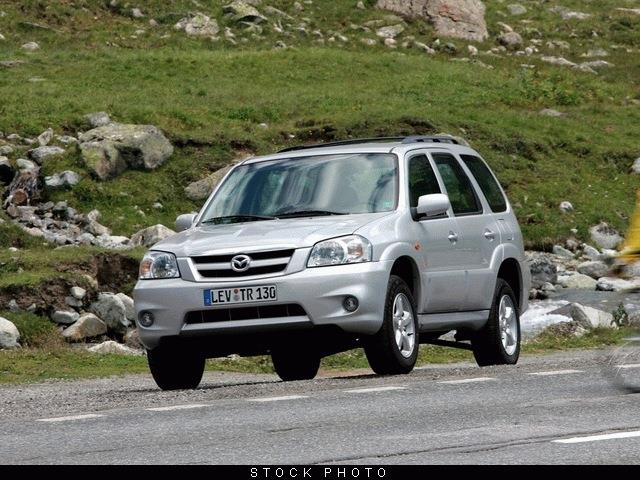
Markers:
point(398, 145)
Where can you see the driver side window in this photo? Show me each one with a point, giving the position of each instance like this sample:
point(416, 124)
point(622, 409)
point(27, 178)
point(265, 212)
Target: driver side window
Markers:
point(422, 179)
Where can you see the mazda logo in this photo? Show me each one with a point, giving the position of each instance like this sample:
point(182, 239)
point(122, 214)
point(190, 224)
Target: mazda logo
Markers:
point(240, 263)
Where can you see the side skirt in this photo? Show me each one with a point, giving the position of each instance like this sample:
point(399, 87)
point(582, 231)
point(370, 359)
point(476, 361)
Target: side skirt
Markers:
point(436, 322)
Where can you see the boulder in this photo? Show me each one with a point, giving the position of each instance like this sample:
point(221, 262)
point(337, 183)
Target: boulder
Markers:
point(605, 236)
point(26, 165)
point(594, 268)
point(65, 179)
point(87, 326)
point(542, 270)
point(65, 317)
point(40, 154)
point(590, 252)
point(114, 348)
point(201, 189)
point(562, 252)
point(109, 150)
point(112, 311)
point(6, 149)
point(511, 40)
point(462, 19)
point(613, 284)
point(129, 307)
point(97, 119)
point(392, 31)
point(45, 137)
point(591, 318)
point(243, 11)
point(9, 334)
point(198, 25)
point(577, 281)
point(150, 236)
point(78, 293)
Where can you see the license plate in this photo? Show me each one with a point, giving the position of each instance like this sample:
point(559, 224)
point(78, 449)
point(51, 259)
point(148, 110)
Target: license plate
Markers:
point(228, 296)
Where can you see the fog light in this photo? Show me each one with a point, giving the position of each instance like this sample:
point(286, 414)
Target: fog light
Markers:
point(146, 319)
point(350, 303)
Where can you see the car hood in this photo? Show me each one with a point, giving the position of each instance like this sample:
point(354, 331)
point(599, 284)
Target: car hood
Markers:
point(263, 235)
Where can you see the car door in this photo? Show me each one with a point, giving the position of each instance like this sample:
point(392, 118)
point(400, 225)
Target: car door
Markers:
point(478, 230)
point(442, 274)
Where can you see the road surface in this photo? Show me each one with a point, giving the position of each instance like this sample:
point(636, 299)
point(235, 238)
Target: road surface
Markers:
point(549, 409)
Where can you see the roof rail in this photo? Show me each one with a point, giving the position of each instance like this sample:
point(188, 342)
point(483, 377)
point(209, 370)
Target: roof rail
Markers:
point(356, 141)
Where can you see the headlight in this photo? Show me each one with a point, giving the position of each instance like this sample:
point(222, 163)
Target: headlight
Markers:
point(338, 251)
point(159, 265)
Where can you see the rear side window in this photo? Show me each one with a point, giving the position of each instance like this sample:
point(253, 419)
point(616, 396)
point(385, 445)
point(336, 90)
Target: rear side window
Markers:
point(487, 182)
point(422, 179)
point(461, 193)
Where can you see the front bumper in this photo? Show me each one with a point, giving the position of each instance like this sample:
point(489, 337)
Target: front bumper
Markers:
point(320, 291)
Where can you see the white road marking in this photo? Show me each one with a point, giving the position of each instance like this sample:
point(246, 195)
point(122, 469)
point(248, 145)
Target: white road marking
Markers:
point(69, 419)
point(597, 438)
point(175, 407)
point(468, 380)
point(554, 372)
point(631, 365)
point(375, 389)
point(277, 399)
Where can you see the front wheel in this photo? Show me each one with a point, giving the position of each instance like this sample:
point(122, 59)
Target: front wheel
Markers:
point(175, 368)
point(394, 349)
point(498, 343)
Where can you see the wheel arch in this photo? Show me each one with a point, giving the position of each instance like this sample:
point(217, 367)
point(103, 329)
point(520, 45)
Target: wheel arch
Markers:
point(406, 268)
point(510, 272)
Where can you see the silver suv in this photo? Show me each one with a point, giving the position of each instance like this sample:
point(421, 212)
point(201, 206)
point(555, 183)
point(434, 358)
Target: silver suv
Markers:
point(382, 244)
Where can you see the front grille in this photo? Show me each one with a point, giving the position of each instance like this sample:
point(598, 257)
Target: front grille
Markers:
point(262, 263)
point(245, 313)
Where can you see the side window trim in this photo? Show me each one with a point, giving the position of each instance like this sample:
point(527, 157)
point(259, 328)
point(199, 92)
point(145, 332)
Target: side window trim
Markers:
point(472, 181)
point(477, 185)
point(424, 153)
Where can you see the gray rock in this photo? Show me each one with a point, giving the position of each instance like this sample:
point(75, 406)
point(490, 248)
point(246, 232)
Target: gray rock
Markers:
point(132, 339)
point(198, 25)
point(590, 252)
point(577, 281)
point(78, 293)
point(391, 31)
point(635, 168)
point(566, 207)
point(113, 348)
point(40, 154)
point(462, 19)
point(65, 179)
point(87, 326)
point(561, 61)
point(129, 307)
point(111, 242)
point(6, 150)
point(613, 284)
point(66, 139)
point(109, 150)
point(543, 270)
point(596, 52)
point(73, 302)
point(150, 236)
point(97, 119)
point(593, 268)
point(516, 9)
point(30, 46)
point(9, 334)
point(591, 318)
point(25, 165)
point(511, 40)
point(112, 311)
point(137, 13)
point(242, 11)
point(605, 236)
point(562, 252)
point(45, 137)
point(13, 306)
point(65, 317)
point(595, 64)
point(203, 188)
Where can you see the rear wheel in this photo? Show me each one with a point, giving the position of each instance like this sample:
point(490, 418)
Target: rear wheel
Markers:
point(295, 364)
point(394, 349)
point(498, 343)
point(175, 368)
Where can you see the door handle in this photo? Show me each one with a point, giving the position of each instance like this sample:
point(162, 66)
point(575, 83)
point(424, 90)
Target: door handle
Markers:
point(489, 235)
point(453, 237)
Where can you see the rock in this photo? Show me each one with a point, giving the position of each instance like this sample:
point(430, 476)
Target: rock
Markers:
point(111, 241)
point(109, 150)
point(7, 172)
point(562, 252)
point(473, 51)
point(137, 13)
point(26, 187)
point(390, 42)
point(360, 5)
point(590, 318)
point(9, 334)
point(66, 139)
point(462, 19)
point(577, 281)
point(30, 46)
point(242, 11)
point(561, 61)
point(566, 207)
point(97, 119)
point(112, 311)
point(613, 284)
point(6, 150)
point(65, 317)
point(25, 165)
point(595, 64)
point(13, 306)
point(635, 168)
point(114, 348)
point(511, 40)
point(42, 153)
point(605, 236)
point(203, 188)
point(596, 52)
point(567, 14)
point(633, 11)
point(78, 293)
point(198, 25)
point(150, 236)
point(516, 9)
point(542, 270)
point(593, 268)
point(73, 302)
point(130, 310)
point(132, 339)
point(565, 329)
point(391, 31)
point(590, 252)
point(369, 41)
point(87, 326)
point(45, 137)
point(62, 180)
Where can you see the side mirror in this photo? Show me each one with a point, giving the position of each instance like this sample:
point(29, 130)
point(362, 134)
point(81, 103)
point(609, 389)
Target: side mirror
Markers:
point(184, 222)
point(433, 205)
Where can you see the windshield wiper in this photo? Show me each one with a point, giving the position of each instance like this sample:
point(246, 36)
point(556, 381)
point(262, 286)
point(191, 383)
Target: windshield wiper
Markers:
point(237, 218)
point(308, 213)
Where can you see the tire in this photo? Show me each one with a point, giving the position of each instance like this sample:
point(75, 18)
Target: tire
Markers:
point(489, 346)
point(291, 365)
point(175, 368)
point(382, 349)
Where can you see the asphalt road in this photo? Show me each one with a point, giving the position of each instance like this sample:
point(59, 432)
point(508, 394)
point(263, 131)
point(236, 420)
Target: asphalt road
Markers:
point(548, 409)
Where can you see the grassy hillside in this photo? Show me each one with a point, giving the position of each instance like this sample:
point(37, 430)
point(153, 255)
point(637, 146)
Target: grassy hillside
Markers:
point(211, 97)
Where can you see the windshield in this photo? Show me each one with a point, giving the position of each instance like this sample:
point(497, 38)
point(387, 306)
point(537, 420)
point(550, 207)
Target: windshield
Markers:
point(308, 186)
